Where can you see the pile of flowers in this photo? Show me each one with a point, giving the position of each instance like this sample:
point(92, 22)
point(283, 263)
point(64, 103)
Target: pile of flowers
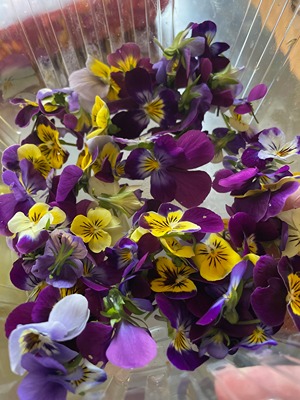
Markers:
point(98, 255)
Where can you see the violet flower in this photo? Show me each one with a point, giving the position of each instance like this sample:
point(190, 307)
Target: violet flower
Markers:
point(49, 379)
point(169, 167)
point(180, 351)
point(277, 290)
point(61, 264)
point(67, 320)
point(144, 104)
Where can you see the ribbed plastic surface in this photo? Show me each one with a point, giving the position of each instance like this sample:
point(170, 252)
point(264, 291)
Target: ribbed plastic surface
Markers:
point(42, 42)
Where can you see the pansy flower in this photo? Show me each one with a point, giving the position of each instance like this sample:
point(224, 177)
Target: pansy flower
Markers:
point(261, 336)
point(215, 258)
point(142, 105)
point(227, 302)
point(100, 118)
point(277, 290)
point(50, 146)
point(174, 279)
point(98, 228)
point(244, 106)
point(32, 229)
point(171, 167)
point(48, 378)
point(67, 320)
point(61, 264)
point(180, 351)
point(274, 145)
point(170, 221)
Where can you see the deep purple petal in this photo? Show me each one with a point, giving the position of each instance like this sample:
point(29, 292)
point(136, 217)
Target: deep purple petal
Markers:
point(20, 315)
point(240, 226)
point(138, 84)
point(24, 116)
point(255, 206)
point(171, 309)
point(93, 342)
point(192, 187)
point(47, 298)
point(68, 180)
point(10, 158)
point(236, 181)
point(163, 186)
point(131, 347)
point(27, 245)
point(265, 268)
point(206, 219)
point(187, 360)
point(242, 109)
point(22, 279)
point(198, 149)
point(131, 123)
point(269, 302)
point(278, 199)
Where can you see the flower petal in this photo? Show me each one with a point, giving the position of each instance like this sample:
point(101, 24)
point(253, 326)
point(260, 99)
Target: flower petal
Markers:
point(131, 347)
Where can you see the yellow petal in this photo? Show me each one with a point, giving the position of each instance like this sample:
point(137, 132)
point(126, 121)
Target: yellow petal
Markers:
point(175, 247)
point(98, 68)
point(59, 216)
point(215, 258)
point(81, 226)
point(99, 241)
point(99, 217)
point(37, 211)
point(29, 151)
point(293, 296)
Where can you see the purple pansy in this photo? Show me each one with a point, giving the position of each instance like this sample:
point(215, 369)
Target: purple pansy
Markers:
point(276, 290)
point(144, 104)
point(61, 264)
point(49, 379)
point(170, 167)
point(180, 351)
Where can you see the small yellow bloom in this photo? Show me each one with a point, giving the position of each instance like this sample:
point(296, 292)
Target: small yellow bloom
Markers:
point(159, 226)
point(215, 258)
point(95, 228)
point(39, 217)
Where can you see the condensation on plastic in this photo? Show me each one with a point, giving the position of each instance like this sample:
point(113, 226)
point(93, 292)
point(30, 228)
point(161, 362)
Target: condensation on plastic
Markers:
point(42, 42)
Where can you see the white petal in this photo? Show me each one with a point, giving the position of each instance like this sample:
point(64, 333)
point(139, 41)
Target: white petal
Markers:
point(15, 352)
point(19, 222)
point(73, 312)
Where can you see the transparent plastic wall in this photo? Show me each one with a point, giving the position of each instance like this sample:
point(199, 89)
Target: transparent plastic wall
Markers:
point(42, 42)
